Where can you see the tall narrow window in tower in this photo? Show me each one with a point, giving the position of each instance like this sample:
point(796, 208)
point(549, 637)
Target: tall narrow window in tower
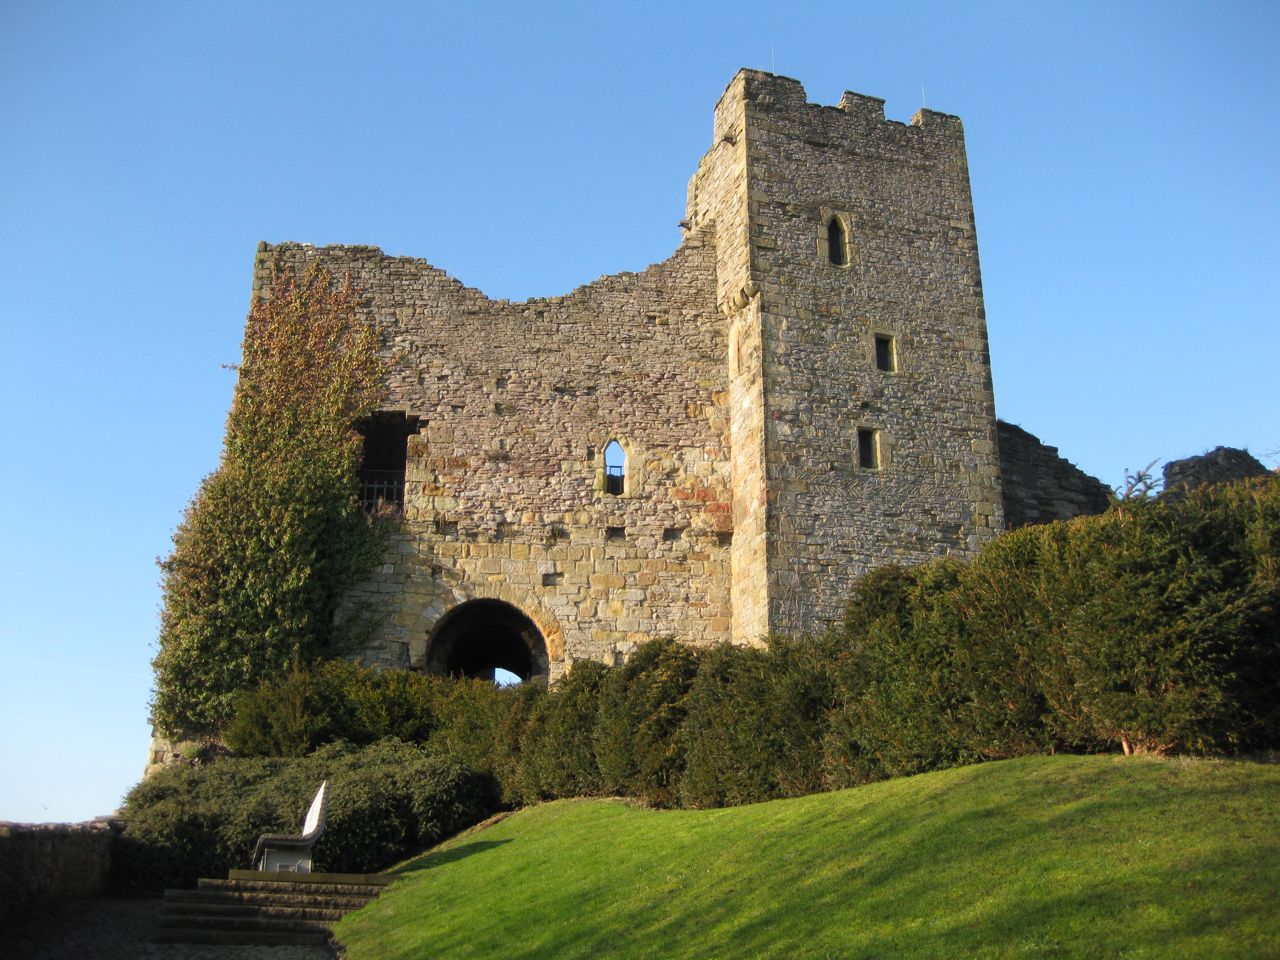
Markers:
point(868, 448)
point(837, 242)
point(886, 355)
point(615, 464)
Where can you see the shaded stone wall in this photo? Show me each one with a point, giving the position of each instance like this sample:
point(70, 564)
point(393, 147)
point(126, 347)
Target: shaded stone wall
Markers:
point(43, 864)
point(1039, 485)
point(1219, 465)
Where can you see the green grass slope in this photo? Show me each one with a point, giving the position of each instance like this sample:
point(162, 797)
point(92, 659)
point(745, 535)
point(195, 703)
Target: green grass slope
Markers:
point(1042, 857)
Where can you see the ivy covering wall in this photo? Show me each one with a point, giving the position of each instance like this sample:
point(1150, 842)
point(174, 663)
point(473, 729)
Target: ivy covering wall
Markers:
point(275, 536)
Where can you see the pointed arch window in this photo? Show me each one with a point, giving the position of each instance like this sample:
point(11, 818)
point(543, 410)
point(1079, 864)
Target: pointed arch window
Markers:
point(615, 468)
point(837, 242)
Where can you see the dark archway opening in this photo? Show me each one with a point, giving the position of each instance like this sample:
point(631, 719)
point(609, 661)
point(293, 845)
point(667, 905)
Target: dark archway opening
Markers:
point(480, 636)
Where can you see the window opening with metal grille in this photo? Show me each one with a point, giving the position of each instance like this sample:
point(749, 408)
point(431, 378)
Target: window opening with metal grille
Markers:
point(382, 464)
point(615, 462)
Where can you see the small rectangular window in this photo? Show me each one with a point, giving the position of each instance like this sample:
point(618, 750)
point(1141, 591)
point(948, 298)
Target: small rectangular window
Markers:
point(886, 356)
point(385, 452)
point(615, 533)
point(868, 448)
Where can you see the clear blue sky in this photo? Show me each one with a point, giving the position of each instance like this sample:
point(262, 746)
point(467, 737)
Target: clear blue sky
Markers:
point(1125, 175)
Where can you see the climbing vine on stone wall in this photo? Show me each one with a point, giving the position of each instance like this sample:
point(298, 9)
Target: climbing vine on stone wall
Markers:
point(275, 536)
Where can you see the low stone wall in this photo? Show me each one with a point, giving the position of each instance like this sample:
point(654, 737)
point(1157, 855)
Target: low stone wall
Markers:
point(43, 864)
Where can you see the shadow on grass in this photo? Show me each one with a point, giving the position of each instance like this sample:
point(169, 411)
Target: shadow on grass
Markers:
point(1046, 859)
point(1064, 870)
point(452, 855)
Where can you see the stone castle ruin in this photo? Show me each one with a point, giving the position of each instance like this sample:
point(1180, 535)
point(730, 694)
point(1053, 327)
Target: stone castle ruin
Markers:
point(716, 447)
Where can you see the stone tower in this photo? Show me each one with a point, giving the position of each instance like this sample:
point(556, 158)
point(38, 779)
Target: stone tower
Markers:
point(800, 392)
point(861, 408)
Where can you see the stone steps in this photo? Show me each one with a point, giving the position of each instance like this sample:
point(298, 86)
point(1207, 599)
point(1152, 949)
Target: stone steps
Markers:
point(231, 899)
point(206, 908)
point(256, 908)
point(251, 938)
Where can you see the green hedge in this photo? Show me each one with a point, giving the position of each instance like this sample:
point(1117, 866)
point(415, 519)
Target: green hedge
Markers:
point(755, 723)
point(388, 800)
point(638, 738)
point(1152, 628)
point(557, 742)
point(335, 700)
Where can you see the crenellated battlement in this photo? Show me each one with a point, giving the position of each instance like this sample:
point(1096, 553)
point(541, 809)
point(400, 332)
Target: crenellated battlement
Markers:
point(867, 109)
point(773, 96)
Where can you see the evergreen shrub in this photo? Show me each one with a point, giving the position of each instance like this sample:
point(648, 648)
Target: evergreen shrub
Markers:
point(802, 695)
point(470, 721)
point(1165, 623)
point(510, 747)
point(638, 736)
point(757, 720)
point(557, 745)
point(899, 691)
point(1152, 628)
point(732, 733)
point(387, 801)
point(471, 717)
point(291, 715)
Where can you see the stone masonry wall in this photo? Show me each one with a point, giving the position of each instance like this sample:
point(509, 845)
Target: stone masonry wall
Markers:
point(717, 201)
point(44, 864)
point(1039, 485)
point(902, 193)
point(736, 375)
point(505, 493)
point(1219, 465)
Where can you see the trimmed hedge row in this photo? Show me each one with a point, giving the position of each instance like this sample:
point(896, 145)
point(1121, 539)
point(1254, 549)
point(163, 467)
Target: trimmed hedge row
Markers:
point(388, 800)
point(1152, 628)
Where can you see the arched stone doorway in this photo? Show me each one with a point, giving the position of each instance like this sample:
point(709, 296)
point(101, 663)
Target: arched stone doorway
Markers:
point(479, 636)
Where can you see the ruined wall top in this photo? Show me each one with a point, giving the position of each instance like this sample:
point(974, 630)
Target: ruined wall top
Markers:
point(1219, 465)
point(1040, 486)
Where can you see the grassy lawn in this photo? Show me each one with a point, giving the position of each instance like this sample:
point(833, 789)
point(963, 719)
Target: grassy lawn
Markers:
point(1042, 857)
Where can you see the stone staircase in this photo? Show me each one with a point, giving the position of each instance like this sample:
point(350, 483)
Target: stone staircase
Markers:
point(251, 907)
